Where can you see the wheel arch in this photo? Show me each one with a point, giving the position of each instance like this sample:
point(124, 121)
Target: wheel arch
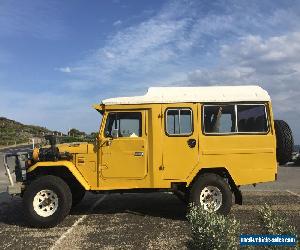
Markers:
point(69, 173)
point(224, 173)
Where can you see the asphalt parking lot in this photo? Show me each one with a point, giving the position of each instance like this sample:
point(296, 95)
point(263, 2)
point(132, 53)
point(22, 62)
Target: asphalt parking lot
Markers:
point(139, 221)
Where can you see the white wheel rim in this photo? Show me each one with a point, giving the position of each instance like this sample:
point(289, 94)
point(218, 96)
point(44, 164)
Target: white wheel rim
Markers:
point(45, 203)
point(211, 198)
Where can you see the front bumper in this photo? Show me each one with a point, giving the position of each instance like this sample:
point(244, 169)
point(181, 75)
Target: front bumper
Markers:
point(17, 176)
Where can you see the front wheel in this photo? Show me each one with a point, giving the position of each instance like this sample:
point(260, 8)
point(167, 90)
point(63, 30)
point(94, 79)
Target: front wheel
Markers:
point(47, 201)
point(212, 193)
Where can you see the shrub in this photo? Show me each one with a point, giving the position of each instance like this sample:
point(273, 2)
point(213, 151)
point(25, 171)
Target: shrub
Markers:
point(273, 223)
point(211, 230)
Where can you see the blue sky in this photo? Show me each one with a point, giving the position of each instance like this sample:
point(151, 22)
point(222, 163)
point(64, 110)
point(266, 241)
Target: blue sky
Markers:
point(57, 58)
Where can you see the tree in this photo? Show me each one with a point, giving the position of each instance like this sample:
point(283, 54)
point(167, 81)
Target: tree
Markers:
point(76, 133)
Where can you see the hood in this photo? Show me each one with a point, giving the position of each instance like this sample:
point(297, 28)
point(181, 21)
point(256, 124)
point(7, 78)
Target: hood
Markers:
point(75, 148)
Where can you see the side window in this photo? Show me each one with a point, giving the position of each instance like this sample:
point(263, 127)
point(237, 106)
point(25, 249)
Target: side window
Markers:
point(252, 118)
point(124, 124)
point(179, 122)
point(219, 119)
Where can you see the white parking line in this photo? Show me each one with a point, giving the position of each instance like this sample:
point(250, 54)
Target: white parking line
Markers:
point(82, 218)
point(291, 192)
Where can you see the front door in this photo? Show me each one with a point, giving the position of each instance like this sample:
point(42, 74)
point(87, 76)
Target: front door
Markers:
point(124, 147)
point(180, 140)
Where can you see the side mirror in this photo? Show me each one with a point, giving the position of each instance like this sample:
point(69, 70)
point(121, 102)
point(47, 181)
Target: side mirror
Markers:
point(115, 133)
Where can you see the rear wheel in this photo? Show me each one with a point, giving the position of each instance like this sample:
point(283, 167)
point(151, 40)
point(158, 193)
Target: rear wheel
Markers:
point(47, 201)
point(212, 193)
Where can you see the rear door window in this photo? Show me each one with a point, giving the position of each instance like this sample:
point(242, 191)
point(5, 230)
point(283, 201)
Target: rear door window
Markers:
point(179, 122)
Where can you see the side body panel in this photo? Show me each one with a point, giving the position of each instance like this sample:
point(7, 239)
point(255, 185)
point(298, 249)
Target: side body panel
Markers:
point(249, 158)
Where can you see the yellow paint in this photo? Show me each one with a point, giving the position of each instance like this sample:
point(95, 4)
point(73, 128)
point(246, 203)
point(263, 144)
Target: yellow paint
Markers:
point(120, 151)
point(66, 164)
point(175, 149)
point(112, 164)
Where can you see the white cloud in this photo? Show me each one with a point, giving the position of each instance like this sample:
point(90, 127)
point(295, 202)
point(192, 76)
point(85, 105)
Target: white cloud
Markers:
point(274, 59)
point(270, 50)
point(229, 75)
point(171, 39)
point(65, 69)
point(117, 23)
point(109, 55)
point(138, 50)
point(196, 42)
point(273, 63)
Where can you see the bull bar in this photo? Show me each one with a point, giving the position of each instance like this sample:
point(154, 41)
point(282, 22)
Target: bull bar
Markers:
point(16, 187)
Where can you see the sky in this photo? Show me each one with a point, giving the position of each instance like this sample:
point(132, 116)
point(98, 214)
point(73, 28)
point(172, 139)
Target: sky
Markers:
point(57, 58)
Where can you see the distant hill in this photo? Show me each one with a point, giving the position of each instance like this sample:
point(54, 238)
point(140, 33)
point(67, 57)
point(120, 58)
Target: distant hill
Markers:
point(12, 132)
point(297, 148)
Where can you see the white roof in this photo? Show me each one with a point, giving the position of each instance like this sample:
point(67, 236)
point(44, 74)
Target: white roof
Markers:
point(195, 94)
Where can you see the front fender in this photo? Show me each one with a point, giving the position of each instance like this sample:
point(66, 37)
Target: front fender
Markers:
point(69, 165)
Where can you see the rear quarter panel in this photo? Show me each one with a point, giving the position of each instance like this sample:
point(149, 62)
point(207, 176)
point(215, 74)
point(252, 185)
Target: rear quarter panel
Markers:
point(249, 158)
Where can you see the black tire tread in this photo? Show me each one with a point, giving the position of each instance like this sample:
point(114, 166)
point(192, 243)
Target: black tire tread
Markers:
point(284, 142)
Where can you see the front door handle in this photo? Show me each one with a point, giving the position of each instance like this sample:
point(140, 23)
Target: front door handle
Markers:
point(192, 143)
point(138, 153)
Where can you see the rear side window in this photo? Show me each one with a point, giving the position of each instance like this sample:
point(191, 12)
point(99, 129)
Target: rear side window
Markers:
point(179, 122)
point(235, 118)
point(124, 124)
point(219, 119)
point(252, 118)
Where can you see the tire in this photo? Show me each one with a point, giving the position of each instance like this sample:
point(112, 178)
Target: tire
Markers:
point(210, 186)
point(57, 199)
point(284, 142)
point(78, 194)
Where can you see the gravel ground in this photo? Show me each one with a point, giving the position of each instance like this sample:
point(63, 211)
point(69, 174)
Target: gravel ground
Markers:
point(131, 221)
point(139, 221)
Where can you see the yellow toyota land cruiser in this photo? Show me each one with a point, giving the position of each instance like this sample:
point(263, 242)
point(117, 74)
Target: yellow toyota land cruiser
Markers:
point(201, 143)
